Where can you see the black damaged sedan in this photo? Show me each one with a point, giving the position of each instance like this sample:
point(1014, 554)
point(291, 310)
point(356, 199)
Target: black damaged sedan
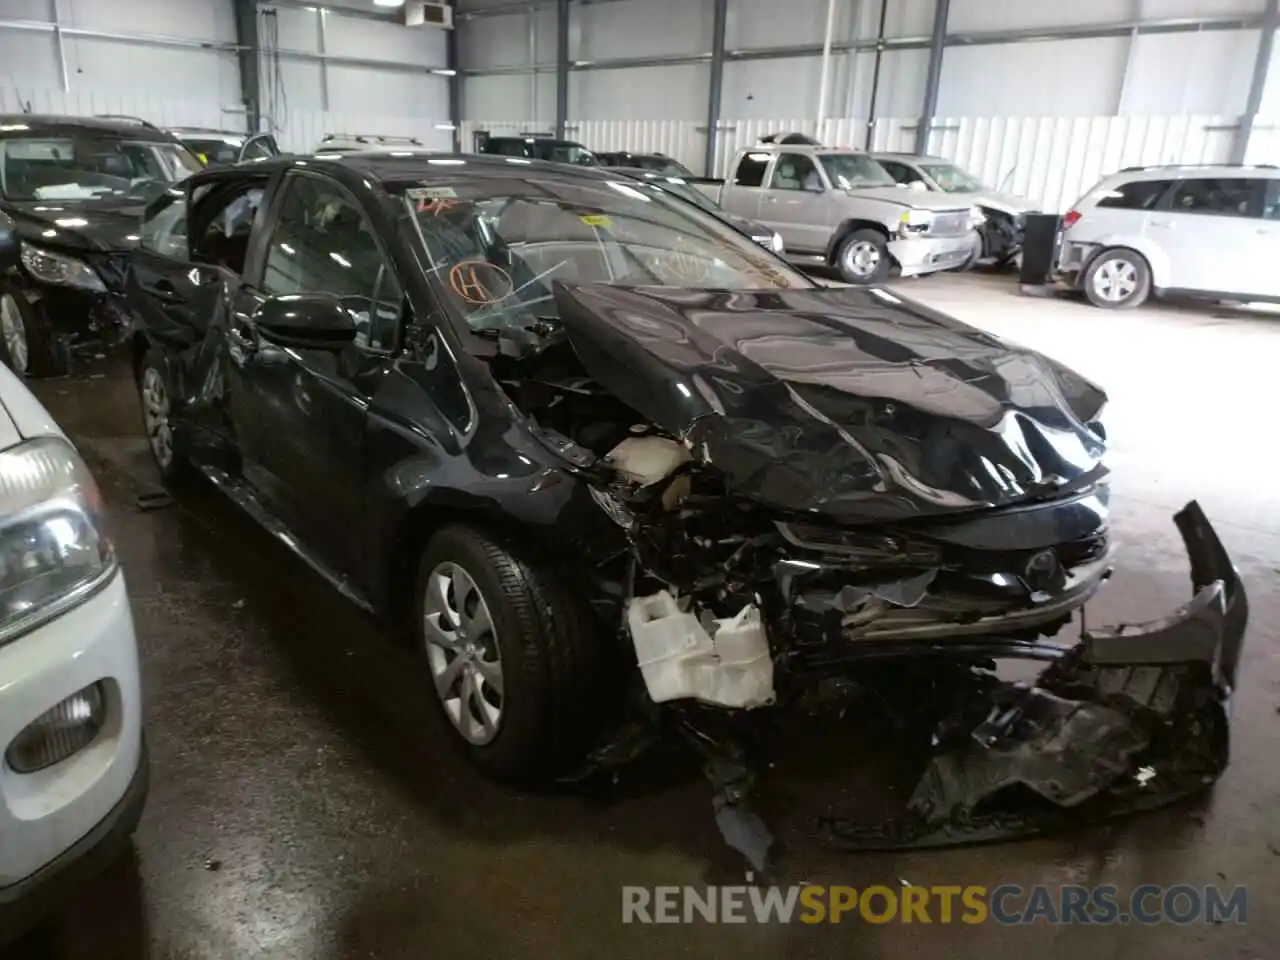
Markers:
point(75, 188)
point(585, 440)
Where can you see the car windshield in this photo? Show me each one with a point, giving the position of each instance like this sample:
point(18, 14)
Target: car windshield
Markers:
point(851, 171)
point(89, 166)
point(213, 151)
point(499, 245)
point(951, 179)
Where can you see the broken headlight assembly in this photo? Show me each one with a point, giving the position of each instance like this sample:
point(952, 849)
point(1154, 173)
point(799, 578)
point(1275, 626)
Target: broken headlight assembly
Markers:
point(59, 269)
point(914, 223)
point(54, 552)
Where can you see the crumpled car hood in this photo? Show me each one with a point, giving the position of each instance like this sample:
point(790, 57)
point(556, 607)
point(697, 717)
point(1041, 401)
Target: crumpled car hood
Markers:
point(851, 403)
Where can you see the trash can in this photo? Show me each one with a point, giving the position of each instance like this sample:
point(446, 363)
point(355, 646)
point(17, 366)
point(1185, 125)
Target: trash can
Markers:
point(1039, 248)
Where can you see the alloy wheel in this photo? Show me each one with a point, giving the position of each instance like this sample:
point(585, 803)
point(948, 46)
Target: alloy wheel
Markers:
point(462, 650)
point(862, 259)
point(155, 414)
point(14, 332)
point(1115, 280)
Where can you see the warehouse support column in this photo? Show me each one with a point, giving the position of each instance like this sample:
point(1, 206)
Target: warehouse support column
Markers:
point(249, 54)
point(825, 82)
point(1261, 67)
point(715, 88)
point(455, 78)
point(941, 10)
point(562, 67)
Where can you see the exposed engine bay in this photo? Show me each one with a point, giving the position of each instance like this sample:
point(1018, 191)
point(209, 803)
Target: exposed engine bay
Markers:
point(738, 607)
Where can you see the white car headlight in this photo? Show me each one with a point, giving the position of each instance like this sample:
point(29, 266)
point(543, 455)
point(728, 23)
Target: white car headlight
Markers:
point(54, 552)
point(49, 267)
point(976, 217)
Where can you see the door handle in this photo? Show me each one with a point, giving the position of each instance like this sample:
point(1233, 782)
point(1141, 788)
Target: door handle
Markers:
point(1162, 224)
point(164, 289)
point(770, 199)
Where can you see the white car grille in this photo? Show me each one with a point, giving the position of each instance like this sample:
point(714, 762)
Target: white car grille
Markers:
point(950, 224)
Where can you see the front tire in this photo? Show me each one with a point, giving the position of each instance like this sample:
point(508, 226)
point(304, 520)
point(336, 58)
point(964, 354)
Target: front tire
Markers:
point(155, 392)
point(28, 345)
point(512, 653)
point(1117, 279)
point(864, 258)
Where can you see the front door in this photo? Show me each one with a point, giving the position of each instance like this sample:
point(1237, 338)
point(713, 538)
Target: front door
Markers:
point(796, 203)
point(301, 413)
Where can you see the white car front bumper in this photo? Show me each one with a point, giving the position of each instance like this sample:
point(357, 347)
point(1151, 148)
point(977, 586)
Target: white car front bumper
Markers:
point(56, 821)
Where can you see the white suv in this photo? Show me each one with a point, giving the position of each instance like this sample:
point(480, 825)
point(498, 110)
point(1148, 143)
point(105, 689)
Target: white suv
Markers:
point(73, 764)
point(1210, 232)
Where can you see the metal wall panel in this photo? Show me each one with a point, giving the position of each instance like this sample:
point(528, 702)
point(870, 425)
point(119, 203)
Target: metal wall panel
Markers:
point(1051, 159)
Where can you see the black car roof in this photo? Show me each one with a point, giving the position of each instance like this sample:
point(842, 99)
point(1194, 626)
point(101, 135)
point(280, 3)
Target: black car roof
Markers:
point(24, 124)
point(409, 166)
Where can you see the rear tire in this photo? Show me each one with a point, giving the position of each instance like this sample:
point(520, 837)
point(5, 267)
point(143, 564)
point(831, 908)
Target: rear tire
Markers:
point(28, 345)
point(156, 394)
point(513, 655)
point(864, 258)
point(1117, 279)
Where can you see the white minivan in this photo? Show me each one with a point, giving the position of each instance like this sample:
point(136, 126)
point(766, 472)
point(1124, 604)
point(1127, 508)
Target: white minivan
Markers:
point(1211, 232)
point(73, 762)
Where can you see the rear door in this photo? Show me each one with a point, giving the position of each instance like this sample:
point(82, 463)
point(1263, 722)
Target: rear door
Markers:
point(796, 204)
point(741, 193)
point(302, 412)
point(1212, 232)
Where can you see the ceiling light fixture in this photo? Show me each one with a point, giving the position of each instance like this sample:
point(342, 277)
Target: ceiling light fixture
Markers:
point(388, 3)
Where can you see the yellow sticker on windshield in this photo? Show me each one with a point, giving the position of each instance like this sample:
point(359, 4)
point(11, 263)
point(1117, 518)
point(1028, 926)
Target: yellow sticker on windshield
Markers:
point(596, 220)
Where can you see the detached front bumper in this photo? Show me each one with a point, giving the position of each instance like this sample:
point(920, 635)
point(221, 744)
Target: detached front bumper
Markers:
point(1133, 718)
point(921, 255)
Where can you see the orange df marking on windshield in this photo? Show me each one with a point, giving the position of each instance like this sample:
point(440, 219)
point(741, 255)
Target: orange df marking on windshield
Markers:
point(479, 281)
point(436, 206)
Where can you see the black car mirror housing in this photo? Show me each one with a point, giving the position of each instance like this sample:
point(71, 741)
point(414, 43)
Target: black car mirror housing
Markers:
point(315, 320)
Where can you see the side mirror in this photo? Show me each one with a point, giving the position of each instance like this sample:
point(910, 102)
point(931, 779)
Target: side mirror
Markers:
point(314, 320)
point(919, 186)
point(10, 245)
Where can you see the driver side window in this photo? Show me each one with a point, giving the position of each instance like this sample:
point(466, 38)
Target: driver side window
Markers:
point(795, 171)
point(323, 243)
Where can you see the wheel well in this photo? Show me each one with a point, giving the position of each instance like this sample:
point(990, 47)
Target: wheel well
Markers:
point(1112, 249)
point(848, 227)
point(415, 531)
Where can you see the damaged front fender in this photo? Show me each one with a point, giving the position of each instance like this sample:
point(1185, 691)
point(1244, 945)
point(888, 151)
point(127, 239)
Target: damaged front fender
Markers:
point(1133, 718)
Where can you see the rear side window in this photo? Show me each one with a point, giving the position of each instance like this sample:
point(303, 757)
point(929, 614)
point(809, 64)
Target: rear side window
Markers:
point(751, 170)
point(1218, 196)
point(1136, 195)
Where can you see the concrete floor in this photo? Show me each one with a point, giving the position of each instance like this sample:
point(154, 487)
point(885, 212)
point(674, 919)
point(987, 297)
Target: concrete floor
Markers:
point(304, 805)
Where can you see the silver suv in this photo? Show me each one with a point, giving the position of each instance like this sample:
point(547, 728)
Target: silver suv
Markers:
point(1211, 232)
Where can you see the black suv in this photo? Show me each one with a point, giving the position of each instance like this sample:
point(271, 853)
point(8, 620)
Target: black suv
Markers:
point(75, 188)
point(534, 146)
point(653, 162)
point(519, 409)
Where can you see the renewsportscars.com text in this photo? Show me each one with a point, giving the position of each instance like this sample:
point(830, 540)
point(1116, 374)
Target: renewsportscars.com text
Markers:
point(1005, 904)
